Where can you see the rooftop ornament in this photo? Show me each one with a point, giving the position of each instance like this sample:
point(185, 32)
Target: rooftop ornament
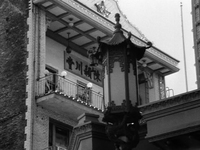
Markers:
point(119, 58)
point(101, 8)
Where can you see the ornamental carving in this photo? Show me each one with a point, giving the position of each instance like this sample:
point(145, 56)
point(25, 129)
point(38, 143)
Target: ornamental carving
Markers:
point(122, 127)
point(149, 78)
point(101, 8)
point(123, 107)
point(116, 56)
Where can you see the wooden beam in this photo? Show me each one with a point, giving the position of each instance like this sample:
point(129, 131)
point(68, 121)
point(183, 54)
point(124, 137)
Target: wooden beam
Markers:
point(79, 35)
point(75, 37)
point(159, 69)
point(63, 15)
point(61, 29)
point(90, 31)
point(78, 23)
point(151, 63)
point(50, 7)
point(88, 44)
point(93, 42)
point(66, 24)
point(38, 2)
point(62, 41)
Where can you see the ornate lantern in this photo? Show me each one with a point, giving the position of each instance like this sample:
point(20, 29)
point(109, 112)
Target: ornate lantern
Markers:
point(119, 59)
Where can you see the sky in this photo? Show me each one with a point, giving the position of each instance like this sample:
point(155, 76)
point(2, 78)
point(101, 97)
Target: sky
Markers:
point(160, 22)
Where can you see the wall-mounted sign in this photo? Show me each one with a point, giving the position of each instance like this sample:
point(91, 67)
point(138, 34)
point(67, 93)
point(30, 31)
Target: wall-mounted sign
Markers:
point(83, 69)
point(101, 8)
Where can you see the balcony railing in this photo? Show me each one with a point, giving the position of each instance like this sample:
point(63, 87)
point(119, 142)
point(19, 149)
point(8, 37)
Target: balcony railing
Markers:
point(56, 84)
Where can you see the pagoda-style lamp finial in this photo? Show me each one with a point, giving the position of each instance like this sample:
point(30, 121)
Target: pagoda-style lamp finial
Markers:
point(117, 25)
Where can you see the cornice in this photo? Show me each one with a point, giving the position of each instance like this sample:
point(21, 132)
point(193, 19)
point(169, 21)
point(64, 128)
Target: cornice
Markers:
point(188, 100)
point(174, 133)
point(157, 54)
point(163, 56)
point(84, 10)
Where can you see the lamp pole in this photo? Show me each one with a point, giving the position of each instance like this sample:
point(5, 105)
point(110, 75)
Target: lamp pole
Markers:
point(119, 58)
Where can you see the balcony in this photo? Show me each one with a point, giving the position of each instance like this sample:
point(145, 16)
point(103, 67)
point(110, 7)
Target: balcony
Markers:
point(60, 95)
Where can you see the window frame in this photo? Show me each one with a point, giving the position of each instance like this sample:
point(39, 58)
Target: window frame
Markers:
point(53, 124)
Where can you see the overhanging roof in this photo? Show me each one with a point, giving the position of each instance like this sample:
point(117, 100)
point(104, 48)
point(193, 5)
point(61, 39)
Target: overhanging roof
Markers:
point(88, 24)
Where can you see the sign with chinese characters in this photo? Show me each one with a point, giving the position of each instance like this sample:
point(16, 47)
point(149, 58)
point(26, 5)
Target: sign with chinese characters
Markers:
point(83, 69)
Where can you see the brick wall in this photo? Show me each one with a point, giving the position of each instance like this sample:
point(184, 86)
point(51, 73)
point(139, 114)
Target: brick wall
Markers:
point(13, 67)
point(41, 126)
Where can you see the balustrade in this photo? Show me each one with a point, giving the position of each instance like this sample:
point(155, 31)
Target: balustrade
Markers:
point(54, 83)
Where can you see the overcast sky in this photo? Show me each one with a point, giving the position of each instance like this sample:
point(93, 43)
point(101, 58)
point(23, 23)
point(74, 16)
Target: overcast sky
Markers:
point(160, 22)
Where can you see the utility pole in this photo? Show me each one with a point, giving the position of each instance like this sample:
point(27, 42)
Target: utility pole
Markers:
point(183, 41)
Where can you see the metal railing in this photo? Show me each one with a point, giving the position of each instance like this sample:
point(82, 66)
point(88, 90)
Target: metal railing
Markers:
point(54, 83)
point(169, 92)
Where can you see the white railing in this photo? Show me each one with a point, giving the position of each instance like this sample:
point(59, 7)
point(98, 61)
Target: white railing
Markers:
point(56, 84)
point(169, 92)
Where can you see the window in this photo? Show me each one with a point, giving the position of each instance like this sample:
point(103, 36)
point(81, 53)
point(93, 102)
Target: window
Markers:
point(51, 78)
point(59, 135)
point(162, 87)
point(143, 90)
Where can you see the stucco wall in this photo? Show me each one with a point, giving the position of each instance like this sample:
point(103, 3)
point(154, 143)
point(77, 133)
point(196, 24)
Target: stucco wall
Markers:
point(55, 59)
point(173, 122)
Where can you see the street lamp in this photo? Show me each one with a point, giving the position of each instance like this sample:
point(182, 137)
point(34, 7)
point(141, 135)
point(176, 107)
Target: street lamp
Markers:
point(89, 85)
point(119, 58)
point(63, 74)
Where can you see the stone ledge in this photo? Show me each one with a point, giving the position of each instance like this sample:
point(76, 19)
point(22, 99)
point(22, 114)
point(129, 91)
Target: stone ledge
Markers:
point(174, 133)
point(182, 101)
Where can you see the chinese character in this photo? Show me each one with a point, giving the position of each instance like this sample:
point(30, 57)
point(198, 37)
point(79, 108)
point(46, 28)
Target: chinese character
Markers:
point(79, 66)
point(88, 71)
point(97, 75)
point(70, 62)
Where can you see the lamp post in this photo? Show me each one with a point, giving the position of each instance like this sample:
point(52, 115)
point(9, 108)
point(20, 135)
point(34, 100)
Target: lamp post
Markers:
point(119, 58)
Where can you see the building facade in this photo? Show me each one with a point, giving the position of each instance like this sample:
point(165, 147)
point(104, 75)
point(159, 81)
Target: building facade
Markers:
point(196, 32)
point(46, 78)
point(173, 123)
